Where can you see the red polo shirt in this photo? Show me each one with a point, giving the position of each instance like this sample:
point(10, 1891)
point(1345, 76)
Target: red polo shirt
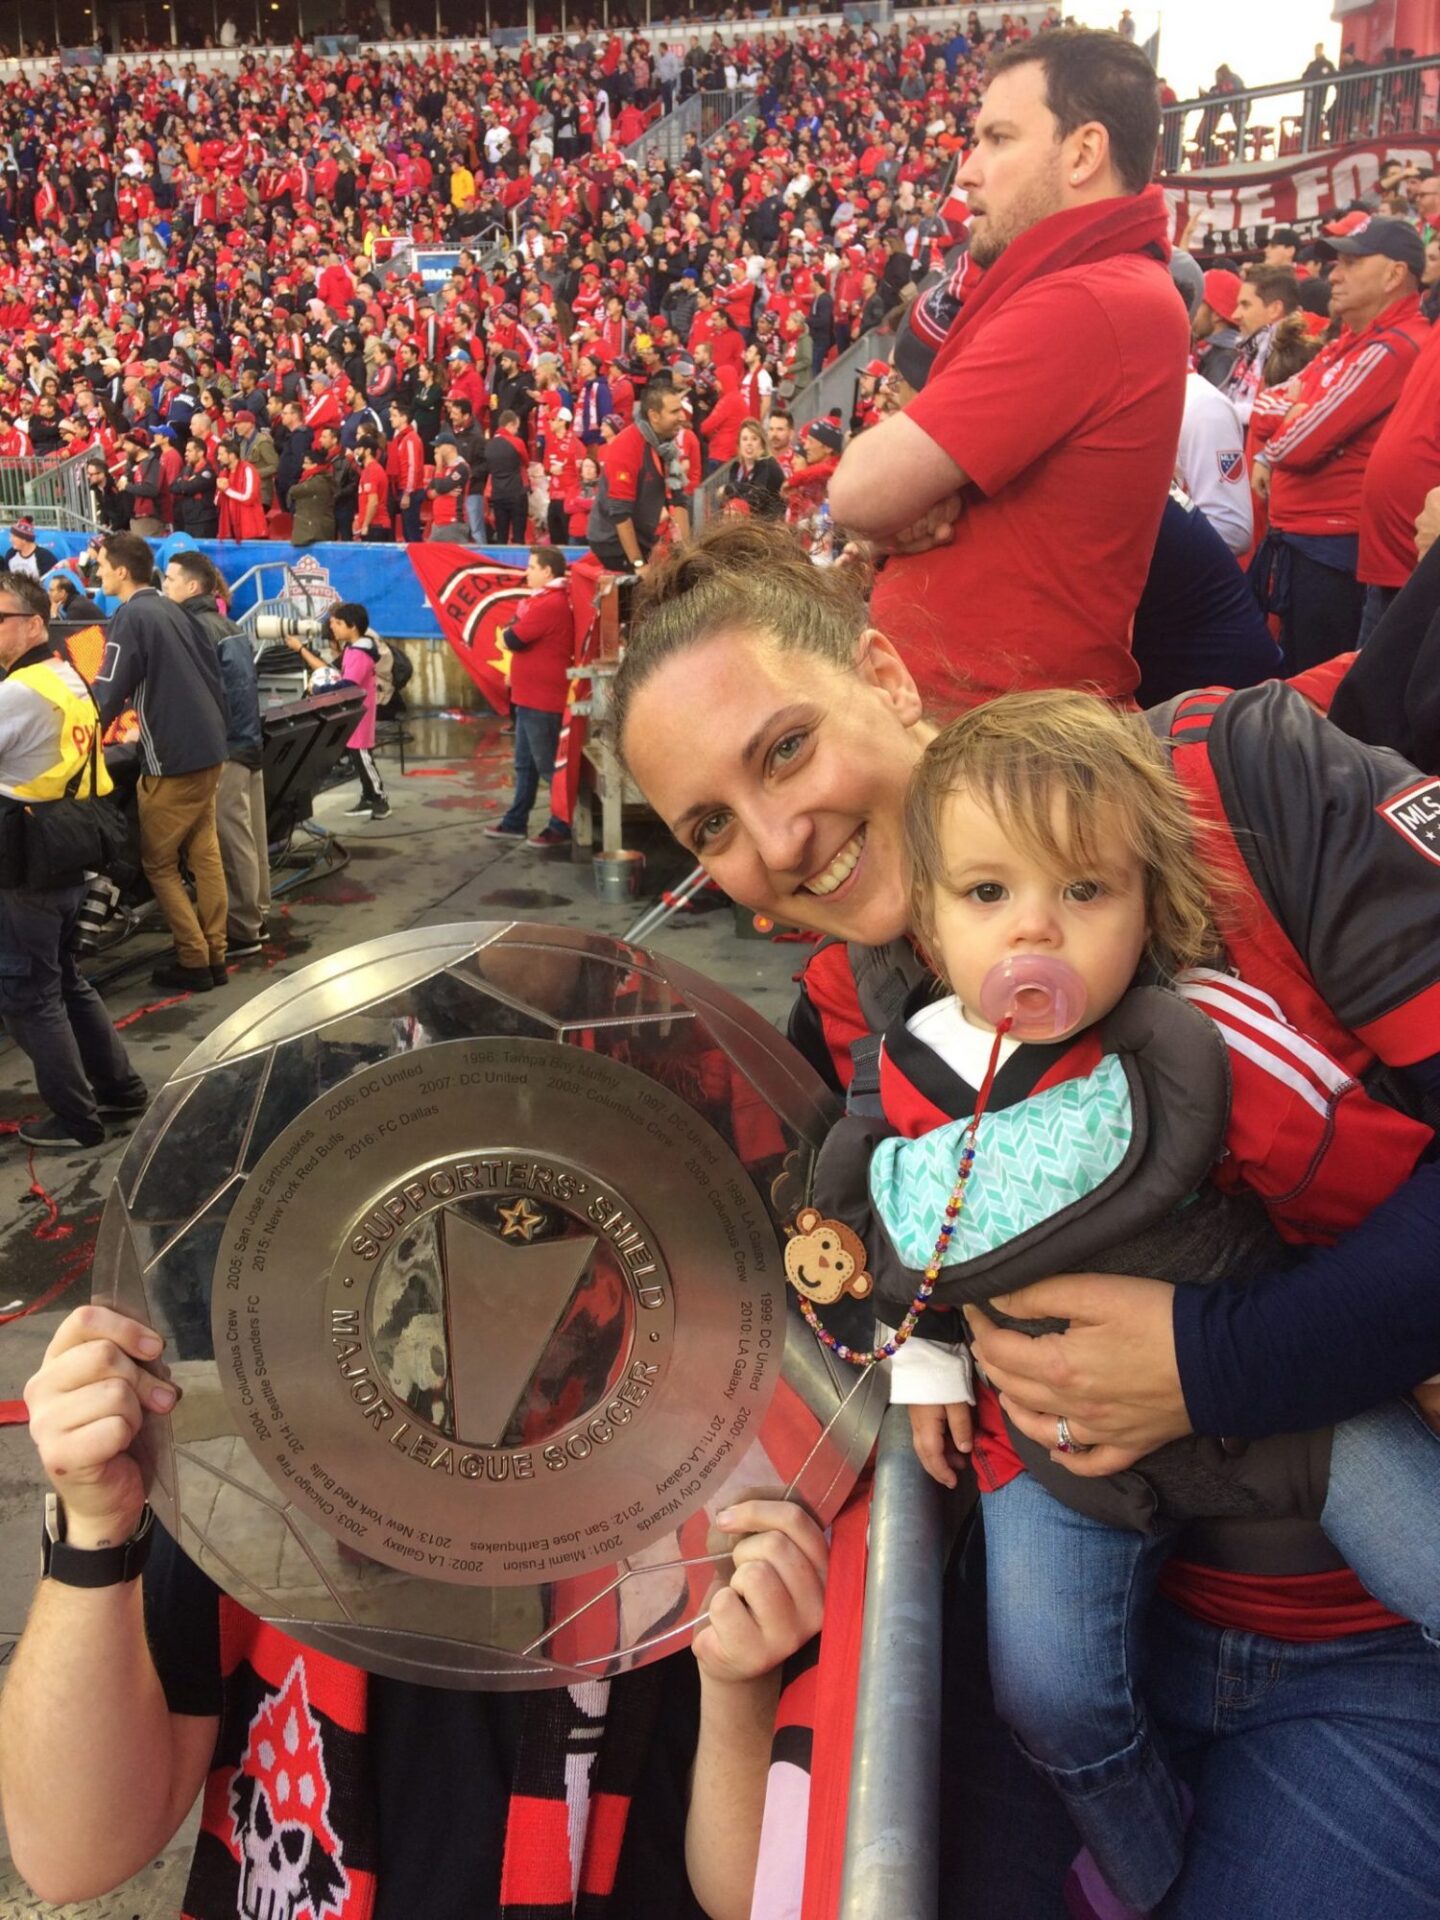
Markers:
point(1064, 411)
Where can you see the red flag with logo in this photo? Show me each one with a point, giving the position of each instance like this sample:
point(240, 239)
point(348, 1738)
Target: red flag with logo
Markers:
point(474, 598)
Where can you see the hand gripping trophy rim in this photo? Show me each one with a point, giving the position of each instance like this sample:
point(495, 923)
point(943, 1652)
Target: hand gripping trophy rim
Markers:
point(466, 1244)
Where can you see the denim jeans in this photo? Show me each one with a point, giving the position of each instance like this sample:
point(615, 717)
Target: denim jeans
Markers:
point(475, 517)
point(1315, 1769)
point(509, 516)
point(50, 1009)
point(537, 735)
point(1382, 1510)
point(1068, 1599)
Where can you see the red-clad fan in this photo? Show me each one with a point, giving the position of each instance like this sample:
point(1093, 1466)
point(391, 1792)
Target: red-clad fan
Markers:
point(372, 510)
point(242, 511)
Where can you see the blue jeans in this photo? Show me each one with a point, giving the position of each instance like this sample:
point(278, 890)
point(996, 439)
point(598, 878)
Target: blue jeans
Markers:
point(475, 517)
point(1068, 1600)
point(1381, 1511)
point(1315, 1769)
point(537, 735)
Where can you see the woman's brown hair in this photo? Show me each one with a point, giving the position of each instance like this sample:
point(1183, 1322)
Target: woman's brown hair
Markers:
point(742, 576)
point(1022, 754)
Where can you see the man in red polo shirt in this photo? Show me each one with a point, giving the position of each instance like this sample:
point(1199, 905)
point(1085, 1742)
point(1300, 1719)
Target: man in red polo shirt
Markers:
point(1019, 496)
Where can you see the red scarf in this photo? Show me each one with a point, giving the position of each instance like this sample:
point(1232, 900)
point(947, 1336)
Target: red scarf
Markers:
point(1078, 237)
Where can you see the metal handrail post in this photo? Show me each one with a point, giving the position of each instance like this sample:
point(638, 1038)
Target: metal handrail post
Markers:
point(892, 1840)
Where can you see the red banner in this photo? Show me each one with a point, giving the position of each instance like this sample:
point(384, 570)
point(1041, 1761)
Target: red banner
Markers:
point(474, 597)
point(1296, 193)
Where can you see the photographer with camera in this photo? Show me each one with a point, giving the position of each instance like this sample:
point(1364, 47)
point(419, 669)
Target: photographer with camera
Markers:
point(50, 759)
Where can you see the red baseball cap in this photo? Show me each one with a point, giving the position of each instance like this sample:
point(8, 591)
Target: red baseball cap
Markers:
point(1222, 290)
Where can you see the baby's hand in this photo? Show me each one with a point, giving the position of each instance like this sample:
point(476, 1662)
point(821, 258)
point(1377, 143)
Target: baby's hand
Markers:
point(1426, 1396)
point(943, 1438)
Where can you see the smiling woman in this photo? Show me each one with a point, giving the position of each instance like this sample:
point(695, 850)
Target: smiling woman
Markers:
point(794, 805)
point(778, 733)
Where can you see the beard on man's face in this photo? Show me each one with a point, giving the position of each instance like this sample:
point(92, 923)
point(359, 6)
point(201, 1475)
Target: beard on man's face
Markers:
point(1031, 203)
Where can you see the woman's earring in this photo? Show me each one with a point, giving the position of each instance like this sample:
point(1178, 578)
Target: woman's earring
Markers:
point(1074, 179)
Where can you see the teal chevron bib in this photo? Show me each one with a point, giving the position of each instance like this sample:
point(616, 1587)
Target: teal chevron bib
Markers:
point(1031, 1161)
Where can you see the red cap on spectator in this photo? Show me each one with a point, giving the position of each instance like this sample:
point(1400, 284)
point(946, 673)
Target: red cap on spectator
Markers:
point(1222, 290)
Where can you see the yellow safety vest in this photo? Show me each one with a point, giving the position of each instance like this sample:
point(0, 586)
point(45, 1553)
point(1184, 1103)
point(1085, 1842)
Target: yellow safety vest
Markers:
point(79, 720)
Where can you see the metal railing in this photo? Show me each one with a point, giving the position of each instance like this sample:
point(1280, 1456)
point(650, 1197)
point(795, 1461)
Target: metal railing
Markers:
point(892, 1855)
point(834, 386)
point(1301, 117)
point(698, 119)
point(53, 492)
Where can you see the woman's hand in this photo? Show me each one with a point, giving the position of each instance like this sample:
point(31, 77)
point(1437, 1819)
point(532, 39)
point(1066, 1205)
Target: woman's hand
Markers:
point(775, 1596)
point(943, 1438)
point(1113, 1374)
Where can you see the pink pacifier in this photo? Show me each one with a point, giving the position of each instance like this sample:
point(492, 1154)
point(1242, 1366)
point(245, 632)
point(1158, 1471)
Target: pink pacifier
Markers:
point(1038, 996)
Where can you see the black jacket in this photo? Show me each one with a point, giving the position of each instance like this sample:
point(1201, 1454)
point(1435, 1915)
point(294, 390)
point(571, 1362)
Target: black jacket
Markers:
point(505, 468)
point(158, 661)
point(197, 509)
point(760, 489)
point(292, 459)
point(243, 732)
point(80, 607)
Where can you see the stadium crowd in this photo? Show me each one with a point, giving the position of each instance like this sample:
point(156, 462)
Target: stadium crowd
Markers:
point(194, 258)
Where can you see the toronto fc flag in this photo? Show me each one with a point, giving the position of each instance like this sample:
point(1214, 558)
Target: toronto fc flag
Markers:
point(475, 598)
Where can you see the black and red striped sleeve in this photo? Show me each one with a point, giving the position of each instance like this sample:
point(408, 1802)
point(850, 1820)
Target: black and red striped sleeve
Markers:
point(1343, 840)
point(826, 1019)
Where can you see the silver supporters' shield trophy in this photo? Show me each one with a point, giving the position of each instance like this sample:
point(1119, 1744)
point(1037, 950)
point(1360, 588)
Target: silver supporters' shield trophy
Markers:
point(466, 1244)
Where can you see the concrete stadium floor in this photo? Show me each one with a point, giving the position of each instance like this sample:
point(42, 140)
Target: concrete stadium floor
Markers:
point(427, 864)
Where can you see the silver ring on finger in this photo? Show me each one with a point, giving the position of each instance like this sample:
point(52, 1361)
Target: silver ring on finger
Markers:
point(1064, 1443)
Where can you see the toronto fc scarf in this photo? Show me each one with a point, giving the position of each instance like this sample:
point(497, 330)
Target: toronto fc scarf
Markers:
point(288, 1826)
point(1077, 237)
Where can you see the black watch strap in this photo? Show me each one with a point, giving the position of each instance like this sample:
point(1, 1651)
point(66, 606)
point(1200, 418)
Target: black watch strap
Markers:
point(92, 1566)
